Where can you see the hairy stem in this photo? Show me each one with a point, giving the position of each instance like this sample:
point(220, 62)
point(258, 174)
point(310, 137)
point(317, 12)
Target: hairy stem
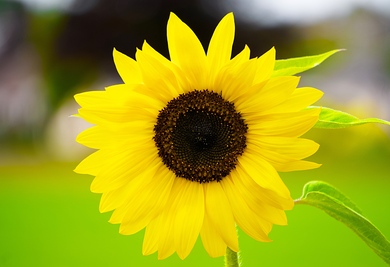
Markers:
point(232, 258)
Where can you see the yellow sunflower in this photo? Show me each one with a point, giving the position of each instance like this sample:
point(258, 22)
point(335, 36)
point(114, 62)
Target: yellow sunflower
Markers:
point(193, 145)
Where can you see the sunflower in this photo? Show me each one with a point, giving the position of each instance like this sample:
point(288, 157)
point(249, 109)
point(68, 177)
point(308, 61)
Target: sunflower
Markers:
point(193, 145)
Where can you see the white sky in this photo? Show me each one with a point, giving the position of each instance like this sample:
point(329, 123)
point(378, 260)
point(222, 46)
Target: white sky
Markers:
point(301, 11)
point(61, 5)
point(264, 11)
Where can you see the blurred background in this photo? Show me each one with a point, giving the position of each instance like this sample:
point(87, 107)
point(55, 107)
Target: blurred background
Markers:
point(52, 49)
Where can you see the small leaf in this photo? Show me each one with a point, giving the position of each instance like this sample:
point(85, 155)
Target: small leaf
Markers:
point(333, 202)
point(292, 66)
point(318, 186)
point(335, 119)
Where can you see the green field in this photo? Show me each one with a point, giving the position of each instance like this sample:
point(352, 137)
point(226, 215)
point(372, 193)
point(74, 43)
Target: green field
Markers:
point(50, 218)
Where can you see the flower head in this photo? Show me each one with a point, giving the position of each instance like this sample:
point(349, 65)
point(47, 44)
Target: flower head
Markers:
point(193, 145)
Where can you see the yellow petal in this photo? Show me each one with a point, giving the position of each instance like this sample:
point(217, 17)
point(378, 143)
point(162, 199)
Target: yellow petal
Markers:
point(295, 148)
point(234, 79)
point(99, 137)
point(142, 208)
point(267, 196)
point(180, 75)
point(117, 135)
point(92, 98)
point(270, 94)
point(212, 241)
point(220, 48)
point(242, 56)
point(127, 68)
point(262, 173)
point(181, 220)
point(92, 137)
point(268, 213)
point(110, 200)
point(108, 115)
point(265, 66)
point(238, 60)
point(299, 165)
point(284, 153)
point(188, 207)
point(282, 162)
point(166, 243)
point(123, 167)
point(285, 124)
point(166, 229)
point(298, 100)
point(133, 185)
point(118, 198)
point(245, 217)
point(220, 214)
point(126, 106)
point(124, 95)
point(187, 52)
point(93, 163)
point(150, 244)
point(158, 76)
point(153, 53)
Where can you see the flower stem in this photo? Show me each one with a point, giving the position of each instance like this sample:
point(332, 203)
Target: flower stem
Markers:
point(231, 258)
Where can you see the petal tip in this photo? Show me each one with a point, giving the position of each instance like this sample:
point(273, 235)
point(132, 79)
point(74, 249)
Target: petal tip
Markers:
point(173, 17)
point(229, 16)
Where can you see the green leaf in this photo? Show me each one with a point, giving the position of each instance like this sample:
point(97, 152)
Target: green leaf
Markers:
point(333, 202)
point(335, 119)
point(292, 66)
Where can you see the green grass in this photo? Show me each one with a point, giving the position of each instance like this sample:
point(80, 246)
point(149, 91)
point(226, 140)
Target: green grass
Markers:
point(50, 218)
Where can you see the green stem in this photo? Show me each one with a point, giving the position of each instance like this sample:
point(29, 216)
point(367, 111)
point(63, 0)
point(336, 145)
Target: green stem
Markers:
point(231, 258)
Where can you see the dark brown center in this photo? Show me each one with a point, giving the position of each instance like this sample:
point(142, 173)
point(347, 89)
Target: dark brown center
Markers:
point(200, 136)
